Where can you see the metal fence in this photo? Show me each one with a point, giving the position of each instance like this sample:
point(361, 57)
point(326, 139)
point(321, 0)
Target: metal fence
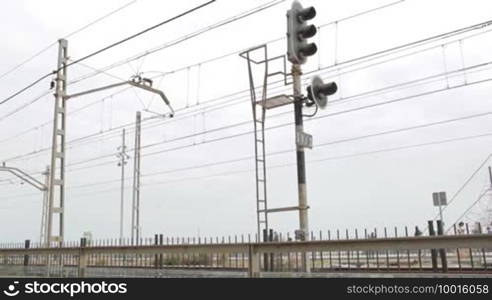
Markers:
point(327, 252)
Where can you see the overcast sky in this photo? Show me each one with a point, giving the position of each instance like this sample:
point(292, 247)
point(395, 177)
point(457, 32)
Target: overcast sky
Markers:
point(345, 189)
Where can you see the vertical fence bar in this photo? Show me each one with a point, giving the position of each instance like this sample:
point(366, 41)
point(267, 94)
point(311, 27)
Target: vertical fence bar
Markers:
point(408, 251)
point(470, 250)
point(224, 256)
point(339, 254)
point(366, 252)
point(289, 261)
point(242, 254)
point(397, 252)
point(348, 252)
point(484, 257)
point(387, 252)
point(272, 257)
point(458, 255)
point(377, 251)
point(329, 252)
point(280, 256)
point(358, 254)
point(236, 258)
point(313, 253)
point(265, 255)
point(161, 256)
point(321, 252)
point(156, 258)
point(229, 256)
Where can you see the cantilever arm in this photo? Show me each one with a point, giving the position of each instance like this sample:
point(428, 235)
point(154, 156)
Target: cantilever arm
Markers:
point(155, 91)
point(25, 177)
point(130, 82)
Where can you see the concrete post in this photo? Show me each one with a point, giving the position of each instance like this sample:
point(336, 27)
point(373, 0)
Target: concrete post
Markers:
point(82, 258)
point(253, 262)
point(27, 244)
point(161, 257)
point(265, 255)
point(442, 252)
point(272, 257)
point(433, 251)
point(156, 256)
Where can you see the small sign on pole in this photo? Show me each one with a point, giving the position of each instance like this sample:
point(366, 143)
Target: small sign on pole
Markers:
point(304, 139)
point(439, 199)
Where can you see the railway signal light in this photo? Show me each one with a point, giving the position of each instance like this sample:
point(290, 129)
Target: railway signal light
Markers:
point(318, 91)
point(298, 31)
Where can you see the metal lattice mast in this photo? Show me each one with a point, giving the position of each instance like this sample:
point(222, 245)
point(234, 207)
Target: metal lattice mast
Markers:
point(56, 190)
point(259, 113)
point(136, 182)
point(259, 108)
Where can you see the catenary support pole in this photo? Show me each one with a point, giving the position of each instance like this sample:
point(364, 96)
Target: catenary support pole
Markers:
point(136, 183)
point(56, 189)
point(122, 162)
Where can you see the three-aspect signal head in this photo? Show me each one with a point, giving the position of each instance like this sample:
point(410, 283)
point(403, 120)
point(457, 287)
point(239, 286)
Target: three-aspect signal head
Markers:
point(298, 49)
point(319, 91)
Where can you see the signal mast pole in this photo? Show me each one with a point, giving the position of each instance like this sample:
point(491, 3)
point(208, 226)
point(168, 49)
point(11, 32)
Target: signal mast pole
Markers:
point(301, 163)
point(300, 157)
point(298, 50)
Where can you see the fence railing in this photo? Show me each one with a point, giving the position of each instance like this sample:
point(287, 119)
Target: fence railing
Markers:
point(463, 253)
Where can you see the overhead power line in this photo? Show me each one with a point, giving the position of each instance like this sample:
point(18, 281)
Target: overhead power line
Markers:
point(329, 143)
point(425, 80)
point(38, 53)
point(389, 101)
point(470, 207)
point(369, 106)
point(26, 87)
point(351, 62)
point(100, 19)
point(340, 141)
point(105, 49)
point(98, 71)
point(412, 44)
point(467, 181)
point(462, 187)
point(320, 160)
point(366, 56)
point(184, 38)
point(141, 32)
